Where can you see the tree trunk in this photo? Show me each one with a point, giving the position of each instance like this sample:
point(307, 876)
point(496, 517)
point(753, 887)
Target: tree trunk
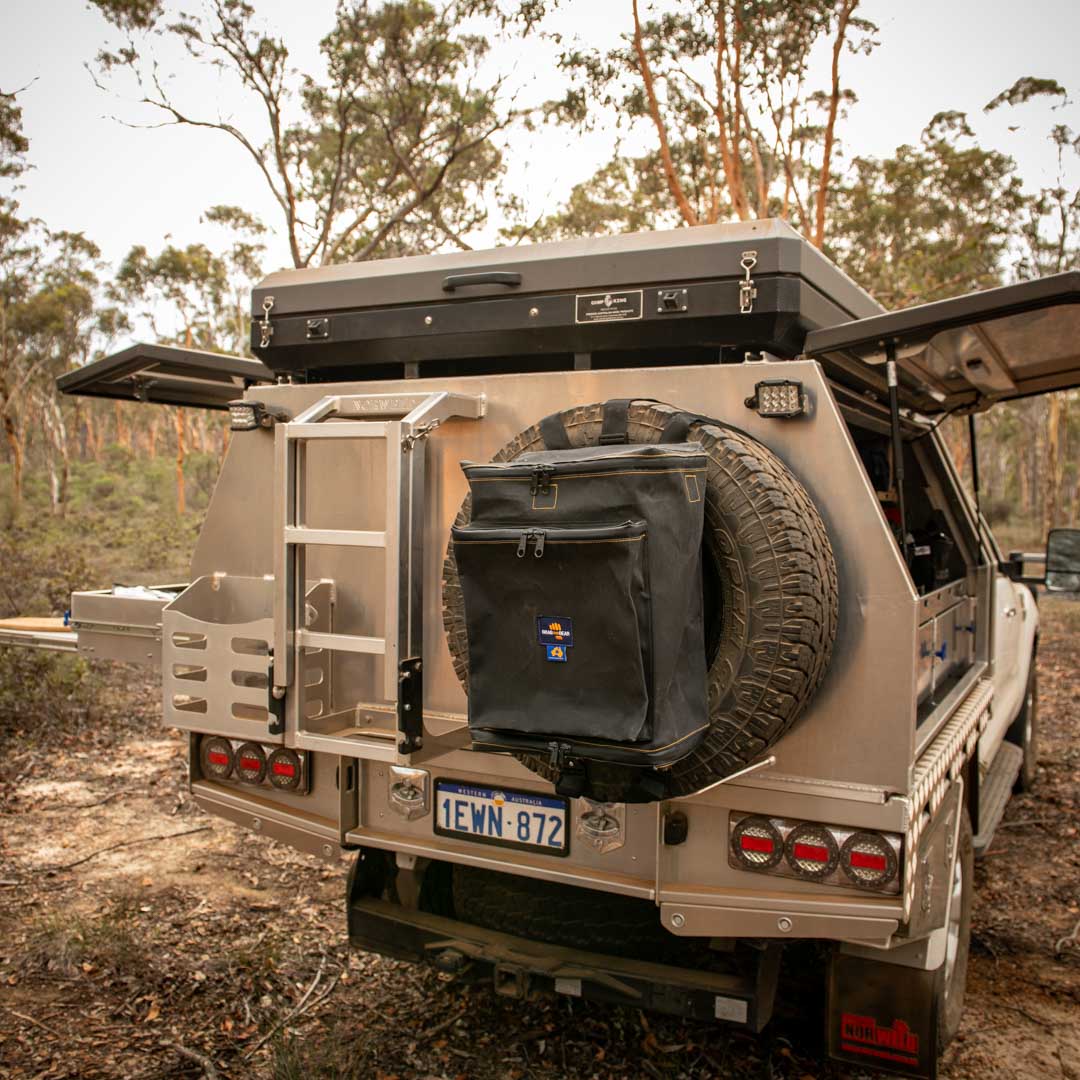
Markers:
point(123, 428)
point(15, 443)
point(180, 504)
point(1053, 476)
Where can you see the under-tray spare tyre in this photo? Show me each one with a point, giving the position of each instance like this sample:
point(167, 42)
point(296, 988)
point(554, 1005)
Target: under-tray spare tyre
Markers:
point(768, 584)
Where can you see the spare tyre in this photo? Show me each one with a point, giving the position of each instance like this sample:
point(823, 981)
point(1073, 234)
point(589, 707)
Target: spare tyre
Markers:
point(770, 593)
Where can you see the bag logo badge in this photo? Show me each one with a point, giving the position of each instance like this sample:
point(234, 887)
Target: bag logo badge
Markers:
point(555, 630)
point(556, 652)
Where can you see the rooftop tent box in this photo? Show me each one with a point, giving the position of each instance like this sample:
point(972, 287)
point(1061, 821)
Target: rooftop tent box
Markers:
point(698, 295)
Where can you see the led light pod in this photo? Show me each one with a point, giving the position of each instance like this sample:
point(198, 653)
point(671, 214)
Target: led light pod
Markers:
point(251, 763)
point(756, 844)
point(811, 851)
point(217, 758)
point(868, 860)
point(284, 769)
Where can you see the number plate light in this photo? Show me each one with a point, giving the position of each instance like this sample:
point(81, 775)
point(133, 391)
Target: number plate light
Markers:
point(602, 825)
point(410, 792)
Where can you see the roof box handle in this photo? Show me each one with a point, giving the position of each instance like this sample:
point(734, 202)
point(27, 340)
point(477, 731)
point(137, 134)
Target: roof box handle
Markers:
point(487, 277)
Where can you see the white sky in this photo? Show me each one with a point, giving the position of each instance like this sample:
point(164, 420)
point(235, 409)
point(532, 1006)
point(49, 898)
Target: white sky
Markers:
point(123, 186)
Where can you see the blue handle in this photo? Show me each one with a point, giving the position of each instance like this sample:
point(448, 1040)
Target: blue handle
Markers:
point(940, 653)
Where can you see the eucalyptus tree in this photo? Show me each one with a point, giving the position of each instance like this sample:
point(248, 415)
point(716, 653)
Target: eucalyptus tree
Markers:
point(391, 148)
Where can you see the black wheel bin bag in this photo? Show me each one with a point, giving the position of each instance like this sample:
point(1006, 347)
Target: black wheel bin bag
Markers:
point(581, 575)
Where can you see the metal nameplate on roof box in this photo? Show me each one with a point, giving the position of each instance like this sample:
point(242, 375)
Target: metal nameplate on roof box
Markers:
point(747, 285)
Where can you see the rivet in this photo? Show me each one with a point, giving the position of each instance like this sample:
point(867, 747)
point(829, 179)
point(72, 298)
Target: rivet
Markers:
point(327, 850)
point(427, 320)
point(678, 921)
point(256, 823)
point(533, 312)
point(783, 924)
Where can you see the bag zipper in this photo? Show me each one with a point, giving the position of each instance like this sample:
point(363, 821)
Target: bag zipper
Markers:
point(541, 479)
point(537, 537)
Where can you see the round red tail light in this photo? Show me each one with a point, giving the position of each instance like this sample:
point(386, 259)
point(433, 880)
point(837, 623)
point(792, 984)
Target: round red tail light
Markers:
point(284, 769)
point(868, 860)
point(217, 758)
point(756, 844)
point(251, 763)
point(812, 851)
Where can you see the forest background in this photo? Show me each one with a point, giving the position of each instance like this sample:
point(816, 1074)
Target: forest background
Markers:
point(402, 138)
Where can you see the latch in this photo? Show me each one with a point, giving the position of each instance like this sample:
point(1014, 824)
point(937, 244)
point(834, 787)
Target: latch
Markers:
point(266, 330)
point(747, 288)
point(669, 301)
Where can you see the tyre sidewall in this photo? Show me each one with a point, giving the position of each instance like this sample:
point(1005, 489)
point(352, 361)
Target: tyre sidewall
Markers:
point(949, 987)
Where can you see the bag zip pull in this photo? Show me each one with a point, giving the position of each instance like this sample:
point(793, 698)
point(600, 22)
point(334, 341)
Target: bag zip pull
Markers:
point(537, 537)
point(541, 479)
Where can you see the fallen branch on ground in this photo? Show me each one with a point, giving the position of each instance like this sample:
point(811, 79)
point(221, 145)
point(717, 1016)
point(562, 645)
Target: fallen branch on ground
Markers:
point(123, 844)
point(296, 1012)
point(200, 1059)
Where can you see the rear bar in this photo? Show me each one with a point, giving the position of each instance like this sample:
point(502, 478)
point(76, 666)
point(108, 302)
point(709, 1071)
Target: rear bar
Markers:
point(519, 966)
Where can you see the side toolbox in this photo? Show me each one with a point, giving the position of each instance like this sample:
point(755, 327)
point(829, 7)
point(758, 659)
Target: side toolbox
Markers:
point(121, 626)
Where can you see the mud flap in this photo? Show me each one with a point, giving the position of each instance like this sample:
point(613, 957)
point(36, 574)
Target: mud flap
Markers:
point(882, 1016)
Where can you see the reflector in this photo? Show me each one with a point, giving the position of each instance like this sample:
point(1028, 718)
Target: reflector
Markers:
point(868, 860)
point(216, 755)
point(812, 851)
point(756, 844)
point(285, 769)
point(251, 763)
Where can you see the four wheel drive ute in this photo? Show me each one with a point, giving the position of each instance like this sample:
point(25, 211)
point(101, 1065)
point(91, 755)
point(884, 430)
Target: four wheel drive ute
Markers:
point(616, 605)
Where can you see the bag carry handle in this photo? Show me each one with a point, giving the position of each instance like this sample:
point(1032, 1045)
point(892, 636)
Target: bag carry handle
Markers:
point(615, 428)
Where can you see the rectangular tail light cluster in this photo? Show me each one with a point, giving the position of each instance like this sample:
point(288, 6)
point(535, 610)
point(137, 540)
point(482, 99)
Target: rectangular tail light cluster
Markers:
point(251, 763)
point(810, 851)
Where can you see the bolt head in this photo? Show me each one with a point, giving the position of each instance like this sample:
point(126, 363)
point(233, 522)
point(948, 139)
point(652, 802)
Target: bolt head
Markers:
point(784, 924)
point(678, 920)
point(427, 320)
point(533, 312)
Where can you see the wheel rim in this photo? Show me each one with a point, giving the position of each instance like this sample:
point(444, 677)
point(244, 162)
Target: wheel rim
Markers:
point(952, 942)
point(1029, 705)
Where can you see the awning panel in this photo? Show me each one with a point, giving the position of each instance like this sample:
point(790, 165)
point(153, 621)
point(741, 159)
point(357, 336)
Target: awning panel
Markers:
point(167, 375)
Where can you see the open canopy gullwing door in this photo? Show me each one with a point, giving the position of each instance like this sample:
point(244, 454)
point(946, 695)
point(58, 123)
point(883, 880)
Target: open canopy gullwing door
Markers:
point(969, 352)
point(167, 375)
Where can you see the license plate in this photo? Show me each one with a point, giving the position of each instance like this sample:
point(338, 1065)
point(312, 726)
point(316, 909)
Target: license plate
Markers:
point(519, 819)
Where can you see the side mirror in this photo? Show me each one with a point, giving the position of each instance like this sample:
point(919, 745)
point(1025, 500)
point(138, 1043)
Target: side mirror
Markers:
point(1063, 560)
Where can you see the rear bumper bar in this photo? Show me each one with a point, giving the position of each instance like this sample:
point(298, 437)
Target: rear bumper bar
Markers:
point(520, 967)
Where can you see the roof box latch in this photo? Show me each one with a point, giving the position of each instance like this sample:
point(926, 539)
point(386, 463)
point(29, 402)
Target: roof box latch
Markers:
point(747, 288)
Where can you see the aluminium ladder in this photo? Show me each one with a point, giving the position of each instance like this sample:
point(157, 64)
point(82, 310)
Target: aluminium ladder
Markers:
point(401, 646)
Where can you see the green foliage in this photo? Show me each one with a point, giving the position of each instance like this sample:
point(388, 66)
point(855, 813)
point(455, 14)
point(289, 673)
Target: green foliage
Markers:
point(934, 220)
point(390, 152)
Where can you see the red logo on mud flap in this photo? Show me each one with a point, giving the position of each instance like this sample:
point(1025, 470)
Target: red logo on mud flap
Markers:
point(863, 1035)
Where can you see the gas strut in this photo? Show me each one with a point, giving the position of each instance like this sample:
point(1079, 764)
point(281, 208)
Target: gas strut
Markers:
point(897, 442)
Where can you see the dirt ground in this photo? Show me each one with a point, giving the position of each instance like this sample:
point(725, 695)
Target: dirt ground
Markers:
point(195, 948)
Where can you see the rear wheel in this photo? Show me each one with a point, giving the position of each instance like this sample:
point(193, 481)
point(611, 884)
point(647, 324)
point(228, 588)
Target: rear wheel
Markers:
point(951, 977)
point(1025, 731)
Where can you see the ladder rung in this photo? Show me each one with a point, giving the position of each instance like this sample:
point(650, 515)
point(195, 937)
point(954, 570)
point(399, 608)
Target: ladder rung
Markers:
point(309, 639)
point(338, 429)
point(336, 537)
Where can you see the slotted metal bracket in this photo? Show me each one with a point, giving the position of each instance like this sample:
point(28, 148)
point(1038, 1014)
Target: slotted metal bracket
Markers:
point(364, 416)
